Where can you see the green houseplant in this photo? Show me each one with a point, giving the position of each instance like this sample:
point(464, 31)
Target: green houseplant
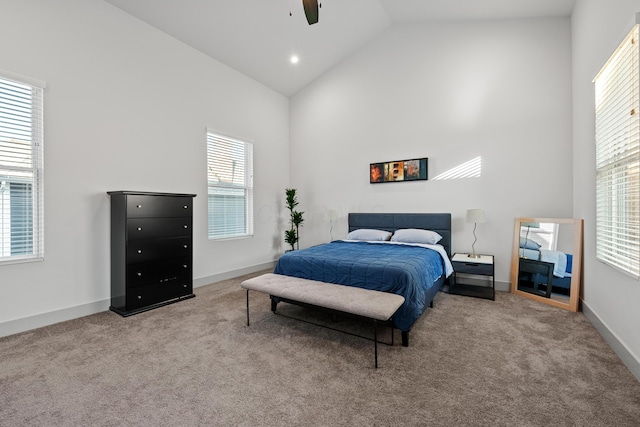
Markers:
point(292, 236)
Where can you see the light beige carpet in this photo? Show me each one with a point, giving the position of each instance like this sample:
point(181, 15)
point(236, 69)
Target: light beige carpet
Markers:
point(471, 362)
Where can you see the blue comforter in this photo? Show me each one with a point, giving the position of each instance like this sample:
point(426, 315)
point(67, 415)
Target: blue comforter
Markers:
point(410, 271)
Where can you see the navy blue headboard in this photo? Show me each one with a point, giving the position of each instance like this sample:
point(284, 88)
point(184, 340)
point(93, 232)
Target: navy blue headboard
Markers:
point(438, 222)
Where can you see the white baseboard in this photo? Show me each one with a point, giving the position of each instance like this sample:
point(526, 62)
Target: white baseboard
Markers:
point(618, 347)
point(202, 281)
point(45, 319)
point(503, 286)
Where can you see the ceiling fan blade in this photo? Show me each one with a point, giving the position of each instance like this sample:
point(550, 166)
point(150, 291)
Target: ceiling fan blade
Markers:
point(311, 10)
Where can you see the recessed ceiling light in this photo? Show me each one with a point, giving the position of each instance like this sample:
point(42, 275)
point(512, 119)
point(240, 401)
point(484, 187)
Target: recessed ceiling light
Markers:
point(294, 59)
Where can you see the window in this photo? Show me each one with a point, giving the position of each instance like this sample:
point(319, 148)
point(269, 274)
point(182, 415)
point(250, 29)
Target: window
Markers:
point(544, 233)
point(617, 158)
point(21, 170)
point(230, 187)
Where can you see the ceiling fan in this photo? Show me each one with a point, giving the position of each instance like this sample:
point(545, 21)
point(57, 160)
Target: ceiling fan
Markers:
point(310, 10)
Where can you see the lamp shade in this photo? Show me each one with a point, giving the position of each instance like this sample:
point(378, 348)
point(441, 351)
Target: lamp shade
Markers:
point(476, 215)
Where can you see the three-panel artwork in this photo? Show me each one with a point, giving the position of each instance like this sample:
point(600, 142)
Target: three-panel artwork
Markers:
point(398, 171)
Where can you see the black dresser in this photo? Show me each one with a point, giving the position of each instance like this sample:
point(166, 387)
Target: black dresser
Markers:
point(151, 250)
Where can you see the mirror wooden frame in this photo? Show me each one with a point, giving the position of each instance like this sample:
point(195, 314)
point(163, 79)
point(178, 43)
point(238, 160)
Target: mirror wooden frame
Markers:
point(576, 273)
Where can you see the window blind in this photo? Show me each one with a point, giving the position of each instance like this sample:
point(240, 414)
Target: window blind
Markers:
point(617, 95)
point(545, 234)
point(21, 171)
point(230, 187)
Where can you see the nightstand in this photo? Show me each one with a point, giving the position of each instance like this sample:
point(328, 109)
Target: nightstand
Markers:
point(483, 266)
point(532, 274)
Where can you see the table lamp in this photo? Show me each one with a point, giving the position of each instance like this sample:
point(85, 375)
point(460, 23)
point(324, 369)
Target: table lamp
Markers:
point(475, 216)
point(529, 226)
point(331, 215)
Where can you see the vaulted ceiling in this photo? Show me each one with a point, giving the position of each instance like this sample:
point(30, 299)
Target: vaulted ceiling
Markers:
point(258, 37)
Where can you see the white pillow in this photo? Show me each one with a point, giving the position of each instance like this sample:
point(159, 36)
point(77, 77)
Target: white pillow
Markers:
point(415, 235)
point(369, 234)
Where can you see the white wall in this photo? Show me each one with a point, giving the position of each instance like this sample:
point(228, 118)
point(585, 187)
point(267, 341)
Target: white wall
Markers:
point(126, 109)
point(598, 29)
point(450, 92)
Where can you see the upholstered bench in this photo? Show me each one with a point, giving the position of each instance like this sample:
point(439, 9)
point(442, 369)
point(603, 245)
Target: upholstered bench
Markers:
point(375, 305)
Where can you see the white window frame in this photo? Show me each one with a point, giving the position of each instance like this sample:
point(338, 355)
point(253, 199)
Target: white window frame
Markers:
point(21, 161)
point(617, 111)
point(229, 172)
point(545, 234)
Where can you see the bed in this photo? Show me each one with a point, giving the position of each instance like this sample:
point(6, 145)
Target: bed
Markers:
point(561, 264)
point(416, 271)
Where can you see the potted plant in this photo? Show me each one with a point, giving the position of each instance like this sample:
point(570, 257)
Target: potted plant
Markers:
point(292, 236)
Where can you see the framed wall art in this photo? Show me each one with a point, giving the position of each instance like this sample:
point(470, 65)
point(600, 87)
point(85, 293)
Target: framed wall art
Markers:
point(399, 171)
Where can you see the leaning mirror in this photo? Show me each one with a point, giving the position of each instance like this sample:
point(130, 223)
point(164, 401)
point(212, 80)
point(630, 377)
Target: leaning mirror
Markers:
point(547, 260)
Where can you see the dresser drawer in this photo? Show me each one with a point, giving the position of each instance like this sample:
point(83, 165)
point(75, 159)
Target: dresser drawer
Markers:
point(470, 267)
point(159, 271)
point(152, 294)
point(154, 228)
point(157, 249)
point(140, 206)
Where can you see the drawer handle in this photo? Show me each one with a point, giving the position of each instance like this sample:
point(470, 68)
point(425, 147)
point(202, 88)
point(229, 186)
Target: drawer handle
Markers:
point(184, 265)
point(139, 274)
point(138, 206)
point(139, 228)
point(185, 207)
point(185, 226)
point(139, 296)
point(185, 246)
point(139, 251)
point(471, 264)
point(184, 286)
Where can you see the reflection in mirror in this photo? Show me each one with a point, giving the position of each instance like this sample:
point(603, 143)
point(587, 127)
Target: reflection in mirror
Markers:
point(546, 264)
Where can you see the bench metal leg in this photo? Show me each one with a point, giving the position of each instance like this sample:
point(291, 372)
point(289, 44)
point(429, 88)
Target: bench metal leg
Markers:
point(274, 303)
point(375, 340)
point(247, 307)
